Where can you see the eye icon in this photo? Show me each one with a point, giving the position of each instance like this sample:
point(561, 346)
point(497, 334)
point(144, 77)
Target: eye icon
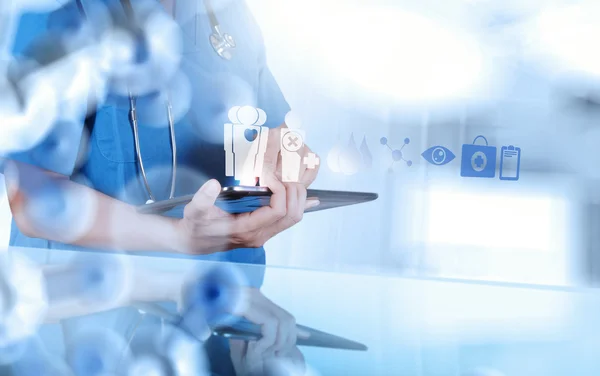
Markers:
point(438, 155)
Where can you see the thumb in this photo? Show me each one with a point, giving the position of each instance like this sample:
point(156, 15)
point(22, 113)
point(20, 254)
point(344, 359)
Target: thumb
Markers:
point(204, 199)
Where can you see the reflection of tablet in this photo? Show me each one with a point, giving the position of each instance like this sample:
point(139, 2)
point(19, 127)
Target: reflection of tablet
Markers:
point(247, 331)
point(241, 199)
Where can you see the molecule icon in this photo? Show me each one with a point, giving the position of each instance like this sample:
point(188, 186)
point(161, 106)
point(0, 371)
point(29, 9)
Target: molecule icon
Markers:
point(397, 154)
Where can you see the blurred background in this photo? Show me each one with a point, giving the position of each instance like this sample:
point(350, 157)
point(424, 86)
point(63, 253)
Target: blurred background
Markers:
point(440, 74)
point(378, 85)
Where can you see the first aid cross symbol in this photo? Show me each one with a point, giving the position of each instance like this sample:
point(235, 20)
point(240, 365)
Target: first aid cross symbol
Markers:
point(479, 161)
point(311, 161)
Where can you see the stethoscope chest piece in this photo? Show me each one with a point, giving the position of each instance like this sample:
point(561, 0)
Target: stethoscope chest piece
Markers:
point(223, 44)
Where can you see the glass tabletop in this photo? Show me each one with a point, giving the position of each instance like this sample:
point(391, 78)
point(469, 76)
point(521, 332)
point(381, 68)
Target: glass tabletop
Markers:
point(410, 326)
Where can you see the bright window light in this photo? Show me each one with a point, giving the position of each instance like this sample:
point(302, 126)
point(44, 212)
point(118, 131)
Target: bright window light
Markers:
point(379, 50)
point(485, 233)
point(496, 221)
point(399, 54)
point(569, 34)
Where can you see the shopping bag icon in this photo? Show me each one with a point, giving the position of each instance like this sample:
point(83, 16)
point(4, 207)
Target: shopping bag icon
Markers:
point(478, 161)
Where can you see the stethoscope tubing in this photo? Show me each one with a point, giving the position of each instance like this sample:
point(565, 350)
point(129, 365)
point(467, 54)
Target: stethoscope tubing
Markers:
point(136, 140)
point(173, 146)
point(225, 43)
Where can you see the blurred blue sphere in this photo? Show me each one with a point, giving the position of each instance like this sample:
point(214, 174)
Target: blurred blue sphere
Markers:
point(216, 293)
point(97, 352)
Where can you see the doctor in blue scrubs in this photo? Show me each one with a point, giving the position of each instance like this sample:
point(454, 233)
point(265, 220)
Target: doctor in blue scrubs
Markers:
point(111, 172)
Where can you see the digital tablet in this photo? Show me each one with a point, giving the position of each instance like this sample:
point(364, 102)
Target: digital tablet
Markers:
point(247, 331)
point(241, 199)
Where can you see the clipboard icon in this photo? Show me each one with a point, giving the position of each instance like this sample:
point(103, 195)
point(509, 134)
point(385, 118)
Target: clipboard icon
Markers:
point(510, 163)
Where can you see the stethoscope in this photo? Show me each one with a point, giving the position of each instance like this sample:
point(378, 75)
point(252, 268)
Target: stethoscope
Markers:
point(223, 45)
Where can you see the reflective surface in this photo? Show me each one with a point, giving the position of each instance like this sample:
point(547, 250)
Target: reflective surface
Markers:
point(419, 326)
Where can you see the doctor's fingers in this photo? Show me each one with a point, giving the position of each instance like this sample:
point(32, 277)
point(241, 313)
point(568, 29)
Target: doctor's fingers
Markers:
point(246, 361)
point(279, 169)
point(252, 229)
point(277, 209)
point(296, 208)
point(296, 201)
point(295, 204)
point(272, 153)
point(308, 175)
point(287, 328)
point(278, 327)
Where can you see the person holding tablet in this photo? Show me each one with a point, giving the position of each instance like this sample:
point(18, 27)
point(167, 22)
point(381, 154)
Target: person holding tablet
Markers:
point(111, 167)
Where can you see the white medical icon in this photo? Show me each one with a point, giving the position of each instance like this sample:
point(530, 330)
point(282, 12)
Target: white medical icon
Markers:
point(292, 143)
point(245, 144)
point(311, 161)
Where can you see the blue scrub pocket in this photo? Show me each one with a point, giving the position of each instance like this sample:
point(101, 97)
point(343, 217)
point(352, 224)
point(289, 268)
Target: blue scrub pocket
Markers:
point(114, 136)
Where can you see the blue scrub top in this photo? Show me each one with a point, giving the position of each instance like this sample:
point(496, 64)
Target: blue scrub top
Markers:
point(216, 84)
point(111, 168)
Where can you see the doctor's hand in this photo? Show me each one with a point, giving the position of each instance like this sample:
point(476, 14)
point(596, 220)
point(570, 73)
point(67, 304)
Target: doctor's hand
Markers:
point(273, 167)
point(291, 197)
point(205, 228)
point(277, 348)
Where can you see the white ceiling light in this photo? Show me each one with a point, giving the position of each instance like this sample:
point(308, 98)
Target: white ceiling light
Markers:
point(398, 54)
point(569, 35)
